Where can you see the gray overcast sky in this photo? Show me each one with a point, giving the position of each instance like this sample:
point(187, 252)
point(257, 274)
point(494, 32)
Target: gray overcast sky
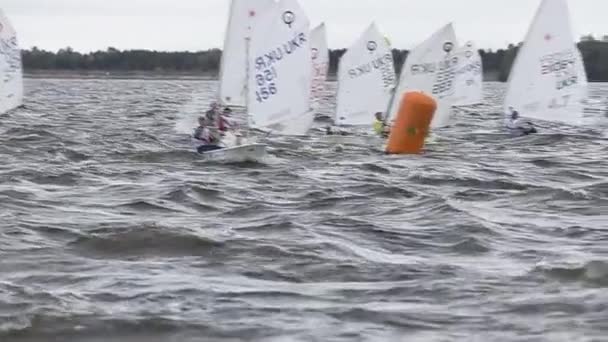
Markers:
point(200, 24)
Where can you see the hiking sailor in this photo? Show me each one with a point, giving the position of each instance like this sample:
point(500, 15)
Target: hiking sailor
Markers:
point(514, 124)
point(206, 135)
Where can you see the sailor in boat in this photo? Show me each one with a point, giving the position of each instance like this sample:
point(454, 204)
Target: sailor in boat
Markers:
point(213, 113)
point(229, 129)
point(225, 122)
point(206, 135)
point(380, 126)
point(515, 125)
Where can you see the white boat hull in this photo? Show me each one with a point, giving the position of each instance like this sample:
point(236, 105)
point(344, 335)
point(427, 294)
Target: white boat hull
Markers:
point(237, 154)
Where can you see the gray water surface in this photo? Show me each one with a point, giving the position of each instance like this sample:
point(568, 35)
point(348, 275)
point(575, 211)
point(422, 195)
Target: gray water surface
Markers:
point(111, 229)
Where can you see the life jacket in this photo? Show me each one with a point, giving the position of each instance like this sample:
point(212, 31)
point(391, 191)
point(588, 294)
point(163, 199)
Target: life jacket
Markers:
point(205, 136)
point(378, 127)
point(223, 124)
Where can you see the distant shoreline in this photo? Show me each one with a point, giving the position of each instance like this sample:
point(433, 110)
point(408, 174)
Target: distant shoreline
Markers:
point(127, 75)
point(117, 75)
point(490, 76)
point(155, 75)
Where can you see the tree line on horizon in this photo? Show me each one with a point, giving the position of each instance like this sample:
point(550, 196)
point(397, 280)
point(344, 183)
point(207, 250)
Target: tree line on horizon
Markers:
point(498, 63)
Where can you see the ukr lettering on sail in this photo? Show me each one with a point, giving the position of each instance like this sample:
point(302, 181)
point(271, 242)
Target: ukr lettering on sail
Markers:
point(267, 67)
point(376, 64)
point(277, 54)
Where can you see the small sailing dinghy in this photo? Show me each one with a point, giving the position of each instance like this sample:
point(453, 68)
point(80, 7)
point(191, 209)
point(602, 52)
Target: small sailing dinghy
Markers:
point(366, 77)
point(280, 71)
point(279, 76)
point(548, 80)
point(11, 69)
point(234, 76)
point(238, 154)
point(319, 52)
point(431, 68)
point(469, 76)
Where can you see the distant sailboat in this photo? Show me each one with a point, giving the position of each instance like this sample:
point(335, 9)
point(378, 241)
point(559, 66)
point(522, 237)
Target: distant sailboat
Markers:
point(430, 68)
point(548, 79)
point(469, 76)
point(320, 65)
point(366, 78)
point(280, 71)
point(233, 73)
point(11, 69)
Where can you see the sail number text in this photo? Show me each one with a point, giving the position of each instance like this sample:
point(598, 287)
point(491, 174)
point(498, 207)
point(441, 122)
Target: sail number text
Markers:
point(265, 85)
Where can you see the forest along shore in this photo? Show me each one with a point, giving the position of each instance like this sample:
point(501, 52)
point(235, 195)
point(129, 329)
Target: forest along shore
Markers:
point(157, 75)
point(117, 75)
point(204, 65)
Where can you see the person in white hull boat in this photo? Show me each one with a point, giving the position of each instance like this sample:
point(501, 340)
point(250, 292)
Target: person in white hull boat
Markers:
point(213, 113)
point(229, 129)
point(380, 127)
point(207, 135)
point(226, 124)
point(213, 130)
point(516, 126)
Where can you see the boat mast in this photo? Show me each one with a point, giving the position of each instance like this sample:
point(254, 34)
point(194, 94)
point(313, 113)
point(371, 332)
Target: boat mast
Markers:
point(248, 71)
point(246, 85)
point(222, 60)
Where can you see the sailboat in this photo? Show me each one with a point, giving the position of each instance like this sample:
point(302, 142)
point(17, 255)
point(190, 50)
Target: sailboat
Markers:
point(280, 71)
point(430, 68)
point(279, 77)
point(548, 79)
point(11, 69)
point(233, 65)
point(366, 78)
point(469, 76)
point(243, 15)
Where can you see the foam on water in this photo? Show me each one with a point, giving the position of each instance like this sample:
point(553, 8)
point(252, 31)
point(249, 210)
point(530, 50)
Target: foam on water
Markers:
point(113, 229)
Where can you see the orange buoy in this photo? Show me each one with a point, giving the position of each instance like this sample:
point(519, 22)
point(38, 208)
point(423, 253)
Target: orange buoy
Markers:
point(411, 124)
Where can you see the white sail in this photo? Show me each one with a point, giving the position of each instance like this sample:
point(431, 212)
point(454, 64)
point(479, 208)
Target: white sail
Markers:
point(366, 78)
point(280, 71)
point(547, 80)
point(430, 68)
point(11, 69)
point(233, 73)
point(320, 65)
point(469, 76)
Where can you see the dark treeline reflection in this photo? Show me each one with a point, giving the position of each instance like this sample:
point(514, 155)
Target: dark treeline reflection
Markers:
point(496, 63)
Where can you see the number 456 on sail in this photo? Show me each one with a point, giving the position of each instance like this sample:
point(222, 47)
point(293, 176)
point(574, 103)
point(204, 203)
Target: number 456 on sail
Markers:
point(264, 93)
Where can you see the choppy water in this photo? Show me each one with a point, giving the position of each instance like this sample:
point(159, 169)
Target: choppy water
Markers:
point(107, 233)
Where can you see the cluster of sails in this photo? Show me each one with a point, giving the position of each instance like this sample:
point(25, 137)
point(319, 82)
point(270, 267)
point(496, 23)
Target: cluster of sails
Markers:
point(276, 66)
